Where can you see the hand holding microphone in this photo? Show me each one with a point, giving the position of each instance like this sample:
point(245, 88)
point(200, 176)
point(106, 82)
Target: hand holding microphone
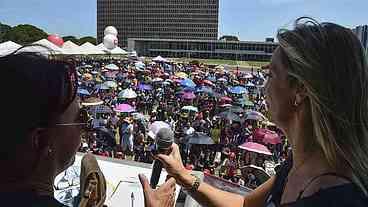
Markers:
point(164, 141)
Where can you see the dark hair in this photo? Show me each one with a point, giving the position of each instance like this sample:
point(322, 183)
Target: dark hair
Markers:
point(36, 90)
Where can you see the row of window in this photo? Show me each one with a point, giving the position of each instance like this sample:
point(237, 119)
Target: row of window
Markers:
point(209, 46)
point(243, 57)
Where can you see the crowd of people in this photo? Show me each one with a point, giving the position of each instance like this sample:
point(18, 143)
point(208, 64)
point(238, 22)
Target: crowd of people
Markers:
point(216, 114)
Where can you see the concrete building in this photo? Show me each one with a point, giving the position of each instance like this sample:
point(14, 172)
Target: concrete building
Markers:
point(159, 19)
point(206, 49)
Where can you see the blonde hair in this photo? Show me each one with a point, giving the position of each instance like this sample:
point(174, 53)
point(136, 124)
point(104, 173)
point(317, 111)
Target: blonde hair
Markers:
point(330, 62)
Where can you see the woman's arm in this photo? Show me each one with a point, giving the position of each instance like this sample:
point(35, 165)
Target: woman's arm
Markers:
point(207, 195)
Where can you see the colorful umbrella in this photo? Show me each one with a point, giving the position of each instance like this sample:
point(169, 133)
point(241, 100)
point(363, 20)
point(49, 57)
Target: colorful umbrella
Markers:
point(229, 116)
point(111, 67)
point(101, 109)
point(236, 109)
point(255, 115)
point(238, 90)
point(188, 95)
point(82, 91)
point(157, 80)
point(190, 108)
point(110, 75)
point(111, 84)
point(181, 75)
point(102, 87)
point(255, 147)
point(199, 138)
point(124, 108)
point(204, 89)
point(155, 127)
point(226, 99)
point(138, 116)
point(266, 136)
point(188, 83)
point(208, 82)
point(92, 101)
point(128, 94)
point(144, 87)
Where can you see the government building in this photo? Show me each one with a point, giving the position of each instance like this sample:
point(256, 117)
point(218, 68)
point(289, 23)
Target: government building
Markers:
point(204, 49)
point(159, 19)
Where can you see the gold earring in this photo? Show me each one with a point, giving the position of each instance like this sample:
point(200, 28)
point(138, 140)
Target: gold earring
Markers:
point(296, 103)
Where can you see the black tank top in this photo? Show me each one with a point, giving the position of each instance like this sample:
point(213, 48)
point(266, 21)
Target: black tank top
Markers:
point(347, 195)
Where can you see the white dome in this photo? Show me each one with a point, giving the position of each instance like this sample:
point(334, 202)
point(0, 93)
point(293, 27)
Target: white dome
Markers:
point(111, 30)
point(110, 41)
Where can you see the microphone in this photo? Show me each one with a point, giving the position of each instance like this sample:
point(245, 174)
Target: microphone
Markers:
point(164, 140)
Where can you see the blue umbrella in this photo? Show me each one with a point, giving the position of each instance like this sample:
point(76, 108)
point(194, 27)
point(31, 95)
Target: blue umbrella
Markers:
point(189, 89)
point(188, 83)
point(144, 87)
point(238, 90)
point(82, 91)
point(102, 87)
point(204, 89)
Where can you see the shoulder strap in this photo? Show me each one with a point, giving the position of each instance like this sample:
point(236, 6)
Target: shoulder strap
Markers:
point(319, 176)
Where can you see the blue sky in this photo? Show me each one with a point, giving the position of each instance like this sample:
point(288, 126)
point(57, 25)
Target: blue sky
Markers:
point(250, 19)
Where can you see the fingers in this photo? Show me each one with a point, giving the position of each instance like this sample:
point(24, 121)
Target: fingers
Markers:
point(164, 159)
point(169, 185)
point(145, 184)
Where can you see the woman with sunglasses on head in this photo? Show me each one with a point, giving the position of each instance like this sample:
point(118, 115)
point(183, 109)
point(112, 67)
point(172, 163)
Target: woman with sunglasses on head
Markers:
point(317, 93)
point(42, 139)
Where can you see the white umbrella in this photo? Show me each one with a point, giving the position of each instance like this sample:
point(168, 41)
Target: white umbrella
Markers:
point(128, 93)
point(111, 67)
point(155, 127)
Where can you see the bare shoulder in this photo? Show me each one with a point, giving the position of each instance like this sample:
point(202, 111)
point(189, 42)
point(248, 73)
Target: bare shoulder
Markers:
point(323, 182)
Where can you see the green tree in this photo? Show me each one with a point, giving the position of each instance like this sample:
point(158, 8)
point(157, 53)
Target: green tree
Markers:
point(3, 30)
point(87, 39)
point(229, 38)
point(71, 38)
point(24, 34)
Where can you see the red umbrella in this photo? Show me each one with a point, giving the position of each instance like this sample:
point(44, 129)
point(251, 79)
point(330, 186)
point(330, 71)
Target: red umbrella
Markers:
point(226, 99)
point(255, 147)
point(208, 82)
point(188, 95)
point(266, 136)
point(272, 138)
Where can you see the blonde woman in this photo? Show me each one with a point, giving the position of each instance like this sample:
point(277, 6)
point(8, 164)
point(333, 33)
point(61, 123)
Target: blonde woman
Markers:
point(317, 93)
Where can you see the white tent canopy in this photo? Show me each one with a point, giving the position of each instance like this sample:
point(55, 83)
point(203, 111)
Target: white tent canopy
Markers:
point(71, 48)
point(159, 59)
point(50, 47)
point(8, 47)
point(115, 51)
point(90, 49)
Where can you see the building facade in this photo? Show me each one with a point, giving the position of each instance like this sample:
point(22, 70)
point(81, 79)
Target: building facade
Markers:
point(204, 49)
point(159, 19)
point(362, 34)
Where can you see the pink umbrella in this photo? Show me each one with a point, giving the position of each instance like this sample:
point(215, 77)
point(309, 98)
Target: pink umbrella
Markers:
point(255, 147)
point(125, 108)
point(188, 95)
point(266, 136)
point(271, 138)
